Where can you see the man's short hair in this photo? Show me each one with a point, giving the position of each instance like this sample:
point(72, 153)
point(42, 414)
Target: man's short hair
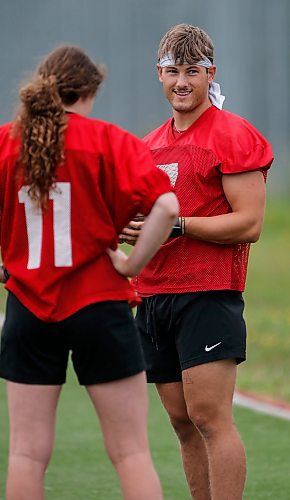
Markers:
point(186, 44)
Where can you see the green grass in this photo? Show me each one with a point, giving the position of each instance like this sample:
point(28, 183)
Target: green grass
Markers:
point(267, 454)
point(80, 469)
point(267, 370)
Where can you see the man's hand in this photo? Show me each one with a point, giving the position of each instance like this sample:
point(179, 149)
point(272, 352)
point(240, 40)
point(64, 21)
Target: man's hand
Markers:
point(153, 233)
point(131, 232)
point(4, 275)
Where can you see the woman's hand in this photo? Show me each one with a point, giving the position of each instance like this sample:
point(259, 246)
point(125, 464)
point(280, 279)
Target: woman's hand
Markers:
point(120, 261)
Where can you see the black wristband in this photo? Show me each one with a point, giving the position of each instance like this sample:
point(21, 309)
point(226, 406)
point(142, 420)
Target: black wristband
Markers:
point(178, 228)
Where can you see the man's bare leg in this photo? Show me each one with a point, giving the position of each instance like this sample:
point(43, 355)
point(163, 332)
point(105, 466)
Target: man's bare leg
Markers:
point(192, 445)
point(208, 391)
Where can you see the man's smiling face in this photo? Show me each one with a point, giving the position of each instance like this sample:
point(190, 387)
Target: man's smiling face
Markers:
point(186, 86)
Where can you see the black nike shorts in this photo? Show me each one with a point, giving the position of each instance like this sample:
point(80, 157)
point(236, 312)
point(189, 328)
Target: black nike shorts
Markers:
point(101, 338)
point(179, 331)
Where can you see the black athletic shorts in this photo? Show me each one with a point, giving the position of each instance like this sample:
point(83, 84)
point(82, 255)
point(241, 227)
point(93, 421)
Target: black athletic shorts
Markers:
point(179, 331)
point(102, 339)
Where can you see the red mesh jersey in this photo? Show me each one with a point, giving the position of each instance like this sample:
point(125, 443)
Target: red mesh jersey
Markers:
point(217, 143)
point(57, 259)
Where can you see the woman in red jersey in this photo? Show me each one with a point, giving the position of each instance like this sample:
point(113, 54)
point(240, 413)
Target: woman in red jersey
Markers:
point(68, 185)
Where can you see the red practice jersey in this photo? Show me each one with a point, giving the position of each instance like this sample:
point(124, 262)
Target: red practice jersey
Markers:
point(218, 143)
point(57, 258)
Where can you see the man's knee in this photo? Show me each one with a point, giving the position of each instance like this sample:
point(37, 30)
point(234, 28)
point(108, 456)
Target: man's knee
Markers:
point(209, 419)
point(182, 425)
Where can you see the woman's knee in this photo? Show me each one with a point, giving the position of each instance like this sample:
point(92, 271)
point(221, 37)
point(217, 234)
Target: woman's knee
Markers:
point(35, 451)
point(121, 456)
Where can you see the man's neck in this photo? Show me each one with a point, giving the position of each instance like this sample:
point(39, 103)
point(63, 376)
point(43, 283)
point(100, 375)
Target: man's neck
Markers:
point(183, 121)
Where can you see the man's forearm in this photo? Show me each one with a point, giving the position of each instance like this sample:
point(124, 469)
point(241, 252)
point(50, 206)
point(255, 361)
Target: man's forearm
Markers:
point(224, 229)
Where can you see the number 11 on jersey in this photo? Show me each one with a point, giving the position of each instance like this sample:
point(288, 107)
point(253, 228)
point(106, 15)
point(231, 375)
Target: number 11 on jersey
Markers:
point(61, 198)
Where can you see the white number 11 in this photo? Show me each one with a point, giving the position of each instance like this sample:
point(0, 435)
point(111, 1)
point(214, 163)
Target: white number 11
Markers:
point(61, 198)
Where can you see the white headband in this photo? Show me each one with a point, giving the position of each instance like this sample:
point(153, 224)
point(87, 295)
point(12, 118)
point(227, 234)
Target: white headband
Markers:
point(217, 99)
point(168, 60)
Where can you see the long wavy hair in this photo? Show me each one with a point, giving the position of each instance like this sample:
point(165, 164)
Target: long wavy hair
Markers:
point(186, 44)
point(66, 75)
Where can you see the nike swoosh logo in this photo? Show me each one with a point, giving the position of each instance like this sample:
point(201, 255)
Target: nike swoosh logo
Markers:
point(211, 347)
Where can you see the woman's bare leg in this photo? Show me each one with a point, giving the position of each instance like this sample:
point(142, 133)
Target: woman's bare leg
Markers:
point(122, 407)
point(32, 411)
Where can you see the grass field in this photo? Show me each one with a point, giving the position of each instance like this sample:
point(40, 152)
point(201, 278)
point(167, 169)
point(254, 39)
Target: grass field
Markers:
point(80, 470)
point(267, 370)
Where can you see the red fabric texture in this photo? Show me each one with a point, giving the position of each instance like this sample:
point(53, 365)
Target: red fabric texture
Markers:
point(109, 176)
point(218, 143)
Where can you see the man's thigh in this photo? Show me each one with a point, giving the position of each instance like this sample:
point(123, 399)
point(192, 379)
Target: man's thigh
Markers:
point(209, 388)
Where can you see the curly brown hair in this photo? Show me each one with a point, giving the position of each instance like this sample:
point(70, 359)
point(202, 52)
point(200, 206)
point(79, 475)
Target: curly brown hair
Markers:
point(66, 75)
point(186, 44)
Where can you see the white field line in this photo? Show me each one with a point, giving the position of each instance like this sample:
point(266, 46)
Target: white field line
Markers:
point(246, 401)
point(256, 404)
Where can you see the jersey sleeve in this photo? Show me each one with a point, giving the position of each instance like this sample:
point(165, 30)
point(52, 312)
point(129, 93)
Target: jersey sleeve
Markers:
point(136, 181)
point(244, 149)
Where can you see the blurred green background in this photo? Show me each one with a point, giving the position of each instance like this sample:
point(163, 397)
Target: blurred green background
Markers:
point(267, 370)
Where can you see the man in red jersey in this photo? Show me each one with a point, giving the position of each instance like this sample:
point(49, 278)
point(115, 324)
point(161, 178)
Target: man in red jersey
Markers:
point(191, 316)
point(68, 184)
